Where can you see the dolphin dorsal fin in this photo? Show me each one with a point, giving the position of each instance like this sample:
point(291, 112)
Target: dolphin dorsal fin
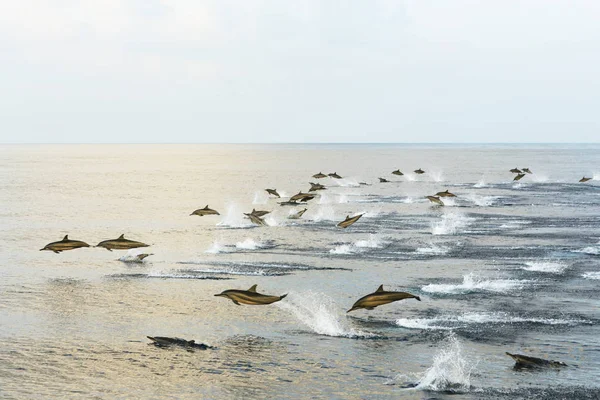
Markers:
point(192, 342)
point(252, 289)
point(122, 236)
point(66, 238)
point(253, 210)
point(206, 207)
point(380, 288)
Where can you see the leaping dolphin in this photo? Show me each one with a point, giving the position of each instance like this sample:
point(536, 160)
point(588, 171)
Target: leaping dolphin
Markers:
point(584, 179)
point(303, 197)
point(297, 215)
point(515, 170)
point(529, 362)
point(380, 297)
point(527, 170)
point(349, 221)
point(397, 172)
point(319, 175)
point(419, 171)
point(163, 341)
point(288, 203)
point(335, 175)
point(445, 194)
point(273, 192)
point(316, 186)
point(259, 213)
point(256, 219)
point(435, 200)
point(205, 211)
point(383, 180)
point(250, 297)
point(519, 176)
point(65, 244)
point(120, 244)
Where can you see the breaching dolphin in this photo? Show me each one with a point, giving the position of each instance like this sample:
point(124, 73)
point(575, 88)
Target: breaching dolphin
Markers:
point(335, 175)
point(273, 192)
point(532, 362)
point(297, 215)
point(205, 211)
point(319, 175)
point(397, 172)
point(518, 177)
point(419, 171)
point(304, 197)
point(380, 297)
point(349, 221)
point(250, 297)
point(256, 219)
point(289, 203)
point(120, 244)
point(163, 341)
point(435, 200)
point(383, 180)
point(584, 179)
point(259, 213)
point(527, 170)
point(515, 170)
point(445, 194)
point(316, 186)
point(65, 244)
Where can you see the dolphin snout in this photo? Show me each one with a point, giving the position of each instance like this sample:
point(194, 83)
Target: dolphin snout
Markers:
point(220, 294)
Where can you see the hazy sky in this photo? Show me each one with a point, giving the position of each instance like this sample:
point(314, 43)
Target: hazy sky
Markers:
point(299, 71)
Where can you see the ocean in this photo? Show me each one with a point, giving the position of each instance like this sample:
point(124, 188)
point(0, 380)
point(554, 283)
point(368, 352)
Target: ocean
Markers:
point(503, 267)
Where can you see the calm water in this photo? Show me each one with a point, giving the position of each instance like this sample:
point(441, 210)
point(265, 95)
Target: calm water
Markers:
point(503, 267)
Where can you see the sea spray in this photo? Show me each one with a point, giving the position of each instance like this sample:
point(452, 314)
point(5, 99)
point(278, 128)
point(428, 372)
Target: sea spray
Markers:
point(321, 314)
point(472, 283)
point(450, 223)
point(234, 218)
point(249, 244)
point(359, 246)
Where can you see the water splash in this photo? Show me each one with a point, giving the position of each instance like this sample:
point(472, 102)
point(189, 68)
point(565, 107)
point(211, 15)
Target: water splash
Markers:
point(215, 248)
point(450, 224)
point(234, 218)
point(436, 176)
point(359, 246)
point(249, 244)
point(324, 213)
point(481, 183)
point(481, 201)
point(595, 275)
point(546, 266)
point(132, 256)
point(321, 314)
point(433, 249)
point(260, 197)
point(472, 283)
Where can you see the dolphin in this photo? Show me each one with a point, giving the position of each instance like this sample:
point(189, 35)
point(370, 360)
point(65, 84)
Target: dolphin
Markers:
point(522, 361)
point(526, 170)
point(205, 211)
point(383, 180)
point(139, 258)
point(364, 183)
point(445, 194)
point(288, 203)
point(65, 244)
point(256, 219)
point(163, 341)
point(349, 221)
point(316, 186)
point(584, 179)
point(319, 175)
point(297, 215)
point(435, 200)
point(379, 298)
point(120, 244)
point(335, 175)
point(519, 176)
point(397, 172)
point(273, 192)
point(419, 171)
point(258, 213)
point(250, 297)
point(515, 170)
point(303, 197)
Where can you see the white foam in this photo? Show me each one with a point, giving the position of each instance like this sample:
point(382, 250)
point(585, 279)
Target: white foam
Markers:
point(261, 197)
point(132, 256)
point(216, 248)
point(595, 275)
point(324, 213)
point(326, 198)
point(589, 250)
point(450, 371)
point(450, 224)
point(481, 201)
point(436, 176)
point(538, 178)
point(321, 314)
point(407, 200)
point(472, 283)
point(545, 266)
point(270, 220)
point(481, 183)
point(249, 244)
point(359, 246)
point(433, 249)
point(234, 218)
point(232, 271)
point(342, 199)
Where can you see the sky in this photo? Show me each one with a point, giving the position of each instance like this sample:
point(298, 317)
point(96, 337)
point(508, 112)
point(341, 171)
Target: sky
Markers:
point(274, 71)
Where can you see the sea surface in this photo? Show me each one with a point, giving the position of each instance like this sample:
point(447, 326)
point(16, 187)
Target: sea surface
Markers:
point(504, 266)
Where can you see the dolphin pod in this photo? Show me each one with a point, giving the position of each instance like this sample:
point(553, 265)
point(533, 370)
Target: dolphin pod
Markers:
point(250, 297)
point(379, 298)
point(205, 211)
point(349, 221)
point(65, 244)
point(522, 361)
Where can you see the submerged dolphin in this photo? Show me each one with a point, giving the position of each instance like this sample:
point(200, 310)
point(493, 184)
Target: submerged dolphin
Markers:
point(316, 186)
point(319, 175)
point(526, 170)
point(445, 194)
point(383, 180)
point(515, 170)
point(273, 192)
point(259, 213)
point(397, 172)
point(349, 221)
point(304, 197)
point(335, 175)
point(297, 215)
point(65, 244)
point(419, 171)
point(584, 179)
point(205, 211)
point(250, 297)
point(435, 200)
point(380, 297)
point(120, 244)
point(527, 361)
point(138, 258)
point(256, 219)
point(163, 341)
point(518, 177)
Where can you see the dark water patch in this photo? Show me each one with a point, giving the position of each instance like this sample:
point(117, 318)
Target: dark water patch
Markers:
point(177, 274)
point(560, 392)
